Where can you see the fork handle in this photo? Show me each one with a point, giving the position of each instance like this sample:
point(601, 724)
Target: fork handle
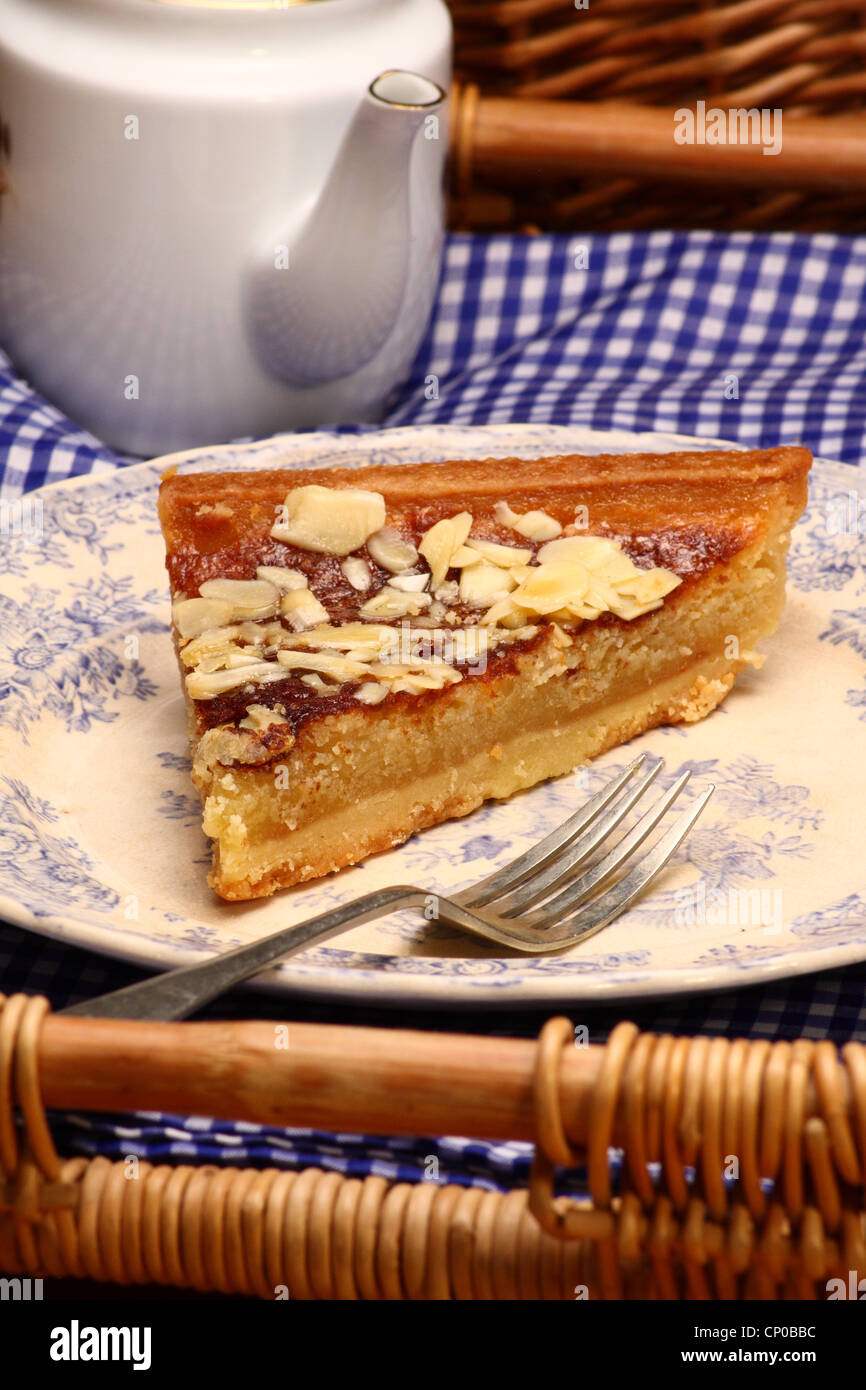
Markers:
point(179, 993)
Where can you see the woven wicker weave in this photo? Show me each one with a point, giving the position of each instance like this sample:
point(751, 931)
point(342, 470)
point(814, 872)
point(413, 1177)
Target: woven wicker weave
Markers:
point(802, 58)
point(734, 52)
point(785, 1122)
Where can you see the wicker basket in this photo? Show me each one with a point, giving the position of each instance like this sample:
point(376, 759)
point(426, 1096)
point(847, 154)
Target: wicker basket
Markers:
point(736, 1113)
point(805, 59)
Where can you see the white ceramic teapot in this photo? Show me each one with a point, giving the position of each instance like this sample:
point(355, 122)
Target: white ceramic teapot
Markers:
point(217, 218)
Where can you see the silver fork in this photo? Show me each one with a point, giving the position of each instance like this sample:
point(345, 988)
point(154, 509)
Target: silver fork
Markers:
point(504, 907)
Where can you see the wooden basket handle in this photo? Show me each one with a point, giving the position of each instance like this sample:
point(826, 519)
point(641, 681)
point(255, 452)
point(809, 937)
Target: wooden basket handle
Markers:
point(790, 1118)
point(521, 140)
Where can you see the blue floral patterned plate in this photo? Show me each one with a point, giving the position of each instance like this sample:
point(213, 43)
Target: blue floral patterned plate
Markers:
point(100, 827)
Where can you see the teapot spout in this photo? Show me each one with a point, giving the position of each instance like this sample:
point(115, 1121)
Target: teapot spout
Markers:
point(331, 305)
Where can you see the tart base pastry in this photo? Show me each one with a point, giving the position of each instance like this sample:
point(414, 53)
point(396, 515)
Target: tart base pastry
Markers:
point(304, 769)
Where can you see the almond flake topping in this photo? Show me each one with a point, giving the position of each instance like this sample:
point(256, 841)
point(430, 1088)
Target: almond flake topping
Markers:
point(391, 551)
point(315, 682)
point(303, 609)
point(192, 616)
point(259, 717)
point(249, 598)
point(464, 557)
point(203, 685)
point(371, 693)
point(441, 543)
point(484, 584)
point(329, 520)
point(238, 633)
point(215, 642)
point(282, 577)
point(549, 587)
point(357, 573)
point(374, 636)
point(505, 555)
point(536, 526)
point(394, 603)
point(326, 663)
point(409, 583)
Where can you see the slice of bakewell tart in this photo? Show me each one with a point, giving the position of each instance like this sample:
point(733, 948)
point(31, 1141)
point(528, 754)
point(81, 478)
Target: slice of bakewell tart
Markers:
point(365, 653)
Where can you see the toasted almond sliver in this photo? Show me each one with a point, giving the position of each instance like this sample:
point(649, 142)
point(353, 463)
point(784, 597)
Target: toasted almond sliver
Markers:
point(357, 573)
point(396, 670)
point(372, 692)
point(613, 568)
point(388, 548)
point(193, 616)
point(213, 642)
point(248, 597)
point(464, 557)
point(283, 577)
point(599, 594)
point(329, 520)
point(595, 552)
point(217, 661)
point(536, 526)
point(441, 542)
point(409, 583)
point(340, 635)
point(504, 555)
point(584, 611)
point(303, 609)
point(629, 608)
point(391, 603)
point(555, 585)
point(468, 643)
point(485, 584)
point(447, 592)
point(315, 682)
point(260, 634)
point(505, 614)
point(237, 657)
point(415, 683)
point(259, 717)
point(327, 663)
point(208, 685)
point(647, 585)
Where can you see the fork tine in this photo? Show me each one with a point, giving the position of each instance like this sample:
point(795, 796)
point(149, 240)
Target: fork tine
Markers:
point(618, 898)
point(586, 884)
point(542, 884)
point(508, 877)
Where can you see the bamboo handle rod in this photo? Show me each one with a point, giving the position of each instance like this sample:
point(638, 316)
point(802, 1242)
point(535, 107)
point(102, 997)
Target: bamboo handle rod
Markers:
point(522, 139)
point(371, 1080)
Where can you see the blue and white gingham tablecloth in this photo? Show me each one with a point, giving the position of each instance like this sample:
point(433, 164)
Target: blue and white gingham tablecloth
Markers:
point(644, 338)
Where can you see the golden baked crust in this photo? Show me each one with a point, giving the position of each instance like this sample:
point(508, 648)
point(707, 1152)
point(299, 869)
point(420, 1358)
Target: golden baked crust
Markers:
point(357, 779)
